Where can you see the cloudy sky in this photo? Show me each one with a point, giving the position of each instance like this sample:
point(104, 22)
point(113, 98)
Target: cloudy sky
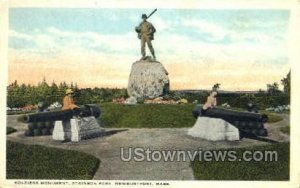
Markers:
point(241, 49)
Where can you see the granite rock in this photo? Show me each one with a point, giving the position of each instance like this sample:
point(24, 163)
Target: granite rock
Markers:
point(148, 79)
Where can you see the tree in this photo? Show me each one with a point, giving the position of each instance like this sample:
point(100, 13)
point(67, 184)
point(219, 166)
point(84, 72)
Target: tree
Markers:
point(273, 88)
point(13, 93)
point(42, 94)
point(216, 87)
point(286, 82)
point(76, 87)
point(62, 88)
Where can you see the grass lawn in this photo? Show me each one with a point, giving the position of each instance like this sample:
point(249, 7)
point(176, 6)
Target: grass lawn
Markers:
point(273, 117)
point(152, 115)
point(242, 170)
point(147, 115)
point(10, 130)
point(285, 130)
point(38, 162)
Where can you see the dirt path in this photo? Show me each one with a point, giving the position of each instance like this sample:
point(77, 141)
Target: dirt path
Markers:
point(108, 149)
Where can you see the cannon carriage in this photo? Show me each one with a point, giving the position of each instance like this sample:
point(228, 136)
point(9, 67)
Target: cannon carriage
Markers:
point(248, 123)
point(42, 123)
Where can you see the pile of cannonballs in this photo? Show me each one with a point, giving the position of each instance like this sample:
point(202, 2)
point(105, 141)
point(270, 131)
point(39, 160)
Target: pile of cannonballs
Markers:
point(251, 127)
point(40, 128)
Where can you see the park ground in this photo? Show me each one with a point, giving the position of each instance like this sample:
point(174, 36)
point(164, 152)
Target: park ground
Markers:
point(107, 147)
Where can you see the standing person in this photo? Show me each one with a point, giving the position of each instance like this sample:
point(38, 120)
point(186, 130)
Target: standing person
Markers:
point(210, 102)
point(146, 33)
point(68, 101)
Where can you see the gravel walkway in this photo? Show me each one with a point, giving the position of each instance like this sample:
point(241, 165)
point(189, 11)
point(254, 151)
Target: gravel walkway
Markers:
point(107, 149)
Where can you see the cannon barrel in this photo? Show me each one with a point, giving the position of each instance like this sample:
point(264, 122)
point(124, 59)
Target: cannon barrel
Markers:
point(83, 111)
point(230, 115)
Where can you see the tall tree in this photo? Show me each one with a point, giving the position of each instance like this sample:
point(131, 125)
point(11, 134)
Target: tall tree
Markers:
point(286, 82)
point(273, 88)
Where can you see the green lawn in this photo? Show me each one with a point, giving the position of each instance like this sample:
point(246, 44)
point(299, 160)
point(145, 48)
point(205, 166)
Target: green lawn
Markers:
point(10, 130)
point(273, 117)
point(38, 162)
point(152, 115)
point(285, 130)
point(242, 170)
point(147, 115)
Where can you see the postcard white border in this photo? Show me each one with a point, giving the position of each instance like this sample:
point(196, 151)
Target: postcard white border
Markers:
point(294, 56)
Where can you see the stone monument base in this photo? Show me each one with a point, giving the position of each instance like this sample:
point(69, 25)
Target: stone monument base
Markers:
point(76, 129)
point(214, 129)
point(147, 80)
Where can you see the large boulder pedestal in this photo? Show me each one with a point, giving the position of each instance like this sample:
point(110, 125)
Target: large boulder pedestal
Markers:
point(214, 129)
point(148, 79)
point(76, 129)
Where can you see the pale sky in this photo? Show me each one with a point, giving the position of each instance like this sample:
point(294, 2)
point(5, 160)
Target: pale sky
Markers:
point(241, 49)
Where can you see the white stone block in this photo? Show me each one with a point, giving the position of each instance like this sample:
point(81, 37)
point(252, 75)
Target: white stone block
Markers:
point(77, 129)
point(61, 130)
point(214, 129)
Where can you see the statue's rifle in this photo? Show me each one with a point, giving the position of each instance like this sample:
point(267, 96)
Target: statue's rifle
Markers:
point(152, 13)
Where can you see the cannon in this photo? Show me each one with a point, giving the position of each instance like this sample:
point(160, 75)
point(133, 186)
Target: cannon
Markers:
point(83, 111)
point(248, 123)
point(230, 115)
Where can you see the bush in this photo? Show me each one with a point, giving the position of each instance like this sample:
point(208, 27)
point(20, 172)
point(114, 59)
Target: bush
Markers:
point(261, 101)
point(38, 162)
point(21, 95)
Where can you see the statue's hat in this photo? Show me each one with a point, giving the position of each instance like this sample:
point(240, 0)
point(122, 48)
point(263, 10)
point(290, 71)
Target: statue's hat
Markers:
point(144, 16)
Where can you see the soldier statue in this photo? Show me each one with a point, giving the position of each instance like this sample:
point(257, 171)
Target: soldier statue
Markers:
point(146, 34)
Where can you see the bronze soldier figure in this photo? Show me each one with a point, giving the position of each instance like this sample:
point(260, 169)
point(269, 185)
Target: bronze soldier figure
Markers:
point(146, 34)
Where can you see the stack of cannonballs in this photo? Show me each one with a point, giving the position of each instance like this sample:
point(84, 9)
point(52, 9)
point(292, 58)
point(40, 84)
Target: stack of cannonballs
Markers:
point(252, 123)
point(250, 127)
point(40, 128)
